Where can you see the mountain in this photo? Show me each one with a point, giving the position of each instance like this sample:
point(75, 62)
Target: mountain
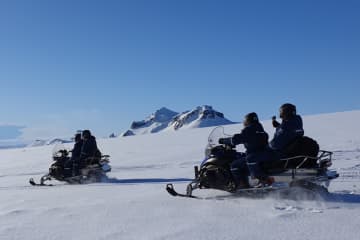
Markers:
point(168, 120)
point(39, 142)
point(112, 135)
point(200, 117)
point(156, 122)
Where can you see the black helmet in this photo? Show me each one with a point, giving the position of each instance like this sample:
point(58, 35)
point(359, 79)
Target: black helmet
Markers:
point(250, 118)
point(77, 137)
point(287, 111)
point(86, 134)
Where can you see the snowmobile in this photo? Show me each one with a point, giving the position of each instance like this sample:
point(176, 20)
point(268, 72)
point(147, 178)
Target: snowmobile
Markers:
point(308, 171)
point(94, 171)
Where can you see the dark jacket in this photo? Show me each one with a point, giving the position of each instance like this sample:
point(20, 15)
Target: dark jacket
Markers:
point(255, 140)
point(89, 148)
point(253, 137)
point(287, 132)
point(76, 152)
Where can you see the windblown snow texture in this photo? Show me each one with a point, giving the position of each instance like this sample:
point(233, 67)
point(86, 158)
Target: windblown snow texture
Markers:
point(133, 204)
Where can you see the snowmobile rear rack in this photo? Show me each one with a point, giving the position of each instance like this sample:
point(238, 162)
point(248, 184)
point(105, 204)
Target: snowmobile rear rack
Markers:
point(324, 157)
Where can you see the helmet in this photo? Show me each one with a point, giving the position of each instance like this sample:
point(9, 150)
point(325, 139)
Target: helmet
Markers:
point(250, 118)
point(287, 111)
point(77, 137)
point(86, 134)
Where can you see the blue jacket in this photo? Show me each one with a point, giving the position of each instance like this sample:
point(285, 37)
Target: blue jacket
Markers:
point(286, 132)
point(253, 137)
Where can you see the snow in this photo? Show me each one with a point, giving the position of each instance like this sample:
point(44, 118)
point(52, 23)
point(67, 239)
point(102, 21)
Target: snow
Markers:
point(167, 120)
point(135, 205)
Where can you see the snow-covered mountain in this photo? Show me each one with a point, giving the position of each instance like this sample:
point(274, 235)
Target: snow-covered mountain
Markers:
point(167, 120)
point(156, 122)
point(40, 142)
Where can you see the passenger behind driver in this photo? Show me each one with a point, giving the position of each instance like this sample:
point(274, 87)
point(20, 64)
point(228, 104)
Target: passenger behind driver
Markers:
point(288, 130)
point(88, 149)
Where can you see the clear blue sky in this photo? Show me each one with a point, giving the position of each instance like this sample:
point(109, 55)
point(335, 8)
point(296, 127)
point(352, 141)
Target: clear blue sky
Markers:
point(67, 65)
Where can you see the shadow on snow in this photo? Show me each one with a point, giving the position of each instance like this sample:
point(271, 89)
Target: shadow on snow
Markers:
point(343, 197)
point(145, 180)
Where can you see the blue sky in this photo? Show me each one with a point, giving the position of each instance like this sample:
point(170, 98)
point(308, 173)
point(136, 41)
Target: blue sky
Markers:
point(68, 65)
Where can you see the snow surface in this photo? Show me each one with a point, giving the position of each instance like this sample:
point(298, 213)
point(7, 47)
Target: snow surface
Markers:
point(133, 204)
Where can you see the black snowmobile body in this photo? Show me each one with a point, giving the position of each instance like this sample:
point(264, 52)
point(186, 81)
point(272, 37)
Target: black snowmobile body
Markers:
point(215, 170)
point(304, 171)
point(94, 171)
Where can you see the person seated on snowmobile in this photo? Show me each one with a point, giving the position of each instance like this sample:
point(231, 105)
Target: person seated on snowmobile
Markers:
point(255, 141)
point(290, 129)
point(75, 156)
point(88, 149)
point(76, 151)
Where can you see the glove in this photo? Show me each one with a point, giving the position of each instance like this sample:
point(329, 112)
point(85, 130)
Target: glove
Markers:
point(274, 122)
point(225, 141)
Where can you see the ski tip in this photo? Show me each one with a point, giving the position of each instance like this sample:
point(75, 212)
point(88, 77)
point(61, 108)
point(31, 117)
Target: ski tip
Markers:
point(32, 182)
point(170, 189)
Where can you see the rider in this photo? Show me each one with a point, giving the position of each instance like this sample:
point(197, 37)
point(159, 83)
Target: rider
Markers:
point(88, 149)
point(70, 165)
point(75, 154)
point(255, 141)
point(288, 130)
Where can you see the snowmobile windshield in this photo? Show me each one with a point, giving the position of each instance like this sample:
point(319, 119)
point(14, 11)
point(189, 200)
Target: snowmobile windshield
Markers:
point(215, 135)
point(59, 149)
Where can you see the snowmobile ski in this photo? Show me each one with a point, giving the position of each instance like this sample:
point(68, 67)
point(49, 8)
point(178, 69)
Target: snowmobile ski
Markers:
point(170, 189)
point(241, 191)
point(33, 183)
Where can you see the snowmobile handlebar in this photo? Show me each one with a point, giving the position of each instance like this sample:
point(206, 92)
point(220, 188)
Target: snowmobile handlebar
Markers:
point(227, 142)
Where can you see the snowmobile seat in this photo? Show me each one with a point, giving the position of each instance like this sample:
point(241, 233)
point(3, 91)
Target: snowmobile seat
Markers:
point(92, 161)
